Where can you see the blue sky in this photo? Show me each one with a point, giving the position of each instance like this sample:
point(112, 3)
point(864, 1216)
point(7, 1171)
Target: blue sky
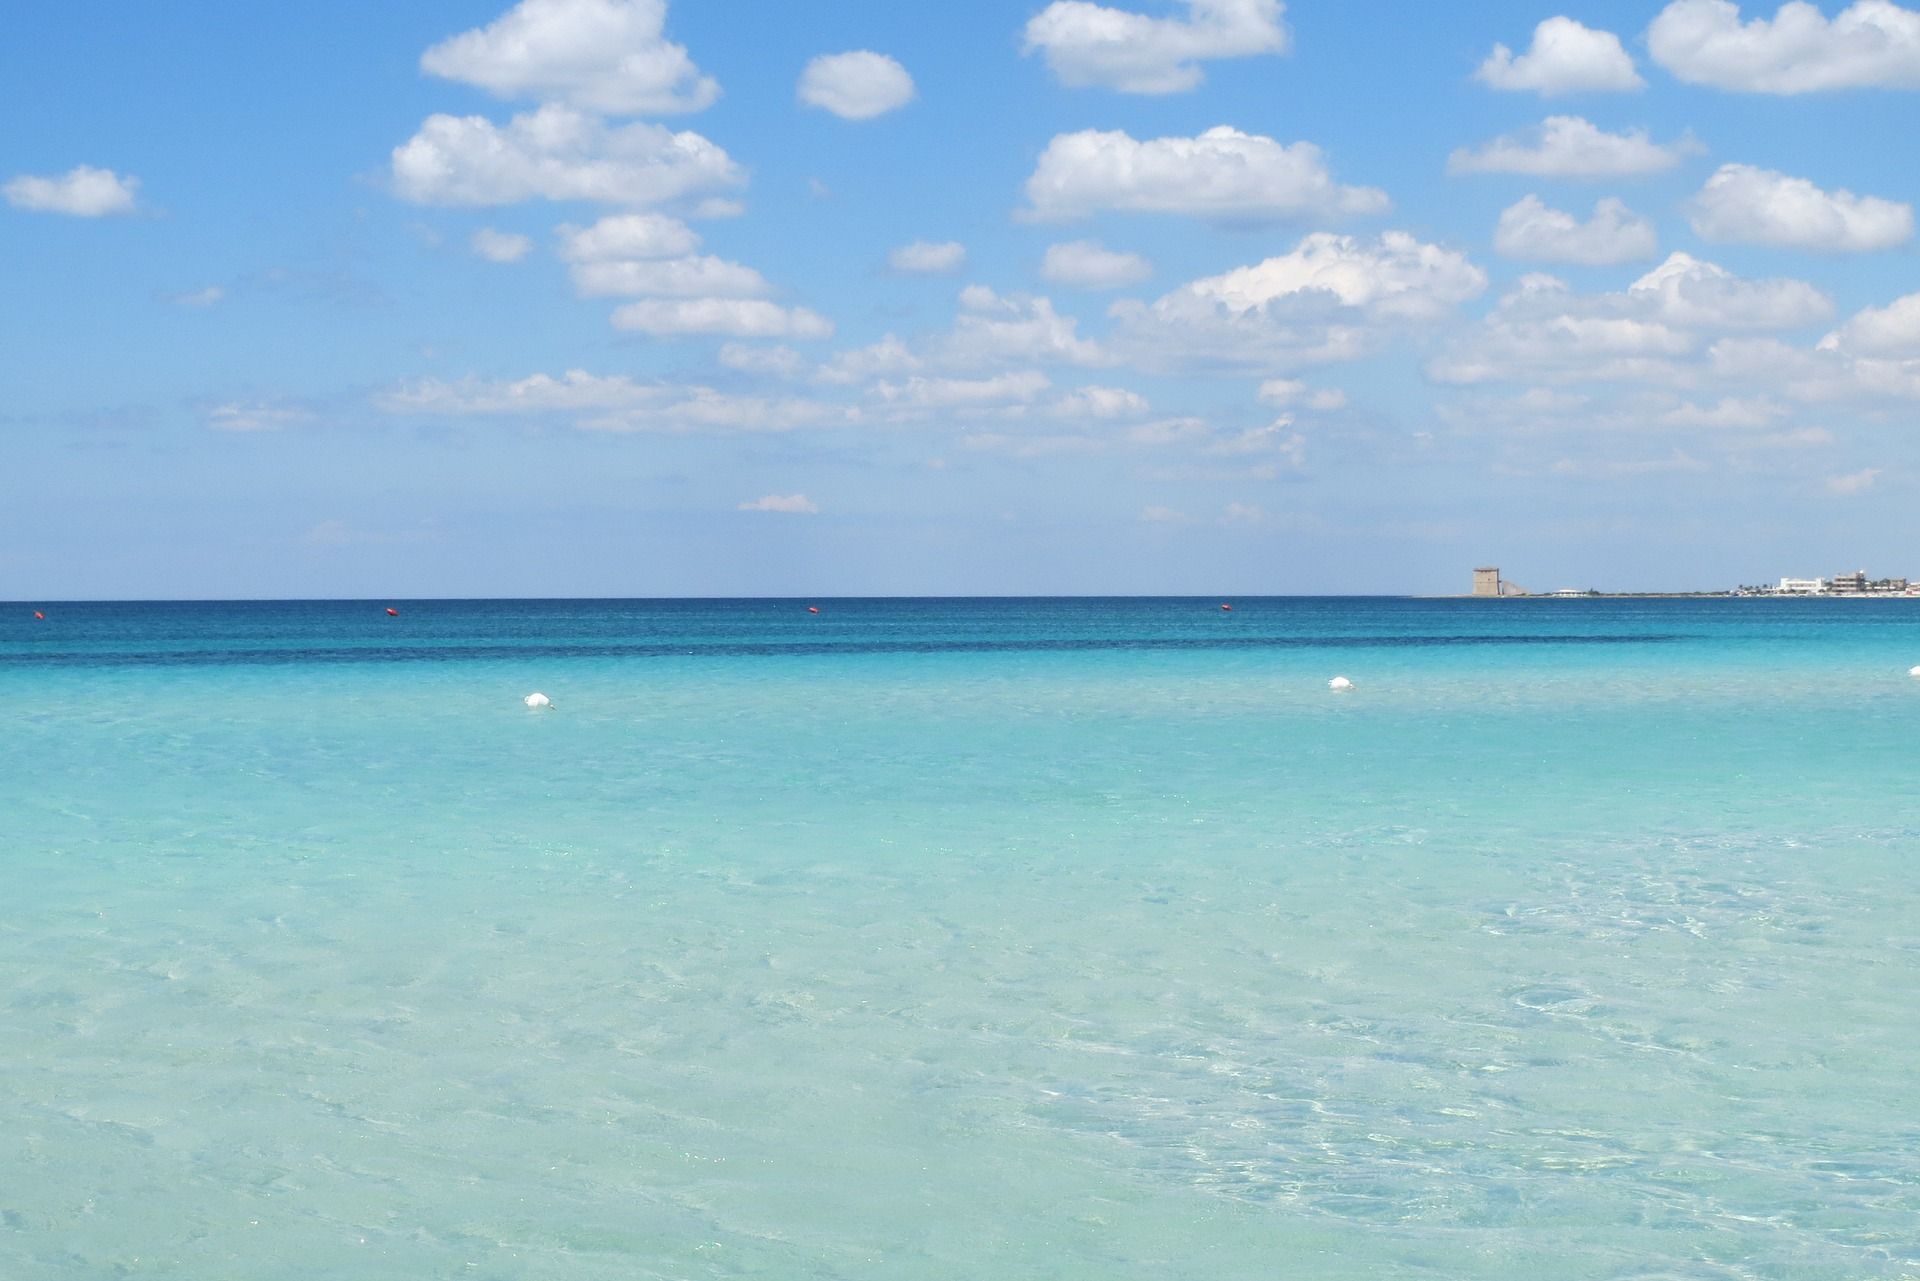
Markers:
point(617, 297)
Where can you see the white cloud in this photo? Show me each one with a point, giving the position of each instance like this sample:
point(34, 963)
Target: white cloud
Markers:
point(702, 409)
point(1565, 57)
point(1291, 392)
point(721, 317)
point(992, 329)
point(1100, 402)
point(955, 393)
point(698, 276)
point(573, 392)
point(83, 191)
point(1394, 275)
point(1892, 330)
point(1529, 229)
point(792, 504)
point(855, 86)
point(500, 246)
point(555, 153)
point(1222, 174)
point(634, 235)
point(1727, 413)
point(1085, 264)
point(888, 356)
point(599, 55)
point(1331, 298)
point(613, 403)
point(1243, 514)
point(1091, 44)
point(253, 417)
point(1688, 292)
point(1159, 515)
point(200, 297)
point(1869, 44)
point(1853, 482)
point(776, 361)
point(1761, 206)
point(924, 258)
point(1571, 147)
point(1652, 332)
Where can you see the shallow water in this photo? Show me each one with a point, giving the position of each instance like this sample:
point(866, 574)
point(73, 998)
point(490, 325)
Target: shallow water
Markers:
point(916, 939)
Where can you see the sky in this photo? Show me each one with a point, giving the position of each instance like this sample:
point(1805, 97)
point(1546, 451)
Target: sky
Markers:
point(637, 298)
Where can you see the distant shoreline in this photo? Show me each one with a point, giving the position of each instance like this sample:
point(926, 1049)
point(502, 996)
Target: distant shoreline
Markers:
point(1722, 595)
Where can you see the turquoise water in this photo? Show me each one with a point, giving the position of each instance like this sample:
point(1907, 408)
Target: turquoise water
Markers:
point(934, 939)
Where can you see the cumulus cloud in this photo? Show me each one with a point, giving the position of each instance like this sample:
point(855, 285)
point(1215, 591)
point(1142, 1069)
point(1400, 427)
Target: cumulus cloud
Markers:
point(500, 246)
point(698, 276)
point(721, 317)
point(1761, 206)
point(1565, 57)
point(1651, 332)
point(1331, 298)
point(855, 86)
point(1892, 330)
point(1853, 482)
point(200, 297)
point(1100, 402)
point(1289, 392)
point(634, 235)
point(83, 192)
point(957, 393)
point(888, 356)
point(1090, 44)
point(1395, 275)
point(1529, 229)
point(605, 56)
point(1222, 174)
point(1086, 264)
point(1571, 147)
point(777, 361)
point(923, 258)
point(555, 153)
point(791, 504)
point(993, 328)
point(1869, 44)
point(1686, 291)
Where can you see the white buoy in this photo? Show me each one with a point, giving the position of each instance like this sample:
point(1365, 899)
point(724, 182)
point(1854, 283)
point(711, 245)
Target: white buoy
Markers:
point(538, 700)
point(1339, 684)
point(1913, 671)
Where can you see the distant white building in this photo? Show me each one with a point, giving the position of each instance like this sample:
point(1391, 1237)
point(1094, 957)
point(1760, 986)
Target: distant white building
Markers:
point(1802, 586)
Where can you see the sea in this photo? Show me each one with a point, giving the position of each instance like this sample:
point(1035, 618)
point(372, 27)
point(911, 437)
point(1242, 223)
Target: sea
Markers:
point(914, 939)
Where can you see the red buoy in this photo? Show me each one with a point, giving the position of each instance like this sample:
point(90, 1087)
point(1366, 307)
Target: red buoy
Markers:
point(813, 609)
point(37, 614)
point(392, 612)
